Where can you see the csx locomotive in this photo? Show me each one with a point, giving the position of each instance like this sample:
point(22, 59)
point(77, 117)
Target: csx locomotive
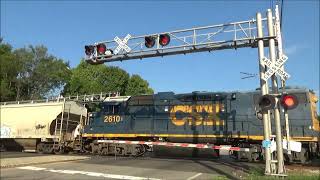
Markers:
point(218, 118)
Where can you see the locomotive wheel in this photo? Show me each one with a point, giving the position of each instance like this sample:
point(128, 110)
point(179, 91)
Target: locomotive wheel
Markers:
point(48, 148)
point(255, 157)
point(40, 148)
point(304, 155)
point(140, 150)
point(288, 158)
point(94, 149)
point(104, 151)
point(59, 150)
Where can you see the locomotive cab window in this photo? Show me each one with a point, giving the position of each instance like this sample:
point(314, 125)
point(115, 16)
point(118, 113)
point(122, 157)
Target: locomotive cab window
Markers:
point(111, 109)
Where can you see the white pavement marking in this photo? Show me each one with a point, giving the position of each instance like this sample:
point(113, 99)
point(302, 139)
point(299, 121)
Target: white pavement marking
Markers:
point(195, 176)
point(95, 174)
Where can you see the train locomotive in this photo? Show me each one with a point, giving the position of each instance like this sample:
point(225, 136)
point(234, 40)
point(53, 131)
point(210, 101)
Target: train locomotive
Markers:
point(219, 118)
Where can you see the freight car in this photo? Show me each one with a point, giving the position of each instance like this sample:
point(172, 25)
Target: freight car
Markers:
point(219, 118)
point(45, 125)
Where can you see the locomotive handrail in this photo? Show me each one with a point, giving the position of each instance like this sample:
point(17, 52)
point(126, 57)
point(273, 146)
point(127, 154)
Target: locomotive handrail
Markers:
point(79, 98)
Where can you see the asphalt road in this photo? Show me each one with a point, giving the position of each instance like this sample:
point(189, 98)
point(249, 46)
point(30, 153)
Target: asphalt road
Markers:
point(13, 154)
point(109, 167)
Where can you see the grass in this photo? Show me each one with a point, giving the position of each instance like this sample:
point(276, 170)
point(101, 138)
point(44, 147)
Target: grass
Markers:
point(258, 173)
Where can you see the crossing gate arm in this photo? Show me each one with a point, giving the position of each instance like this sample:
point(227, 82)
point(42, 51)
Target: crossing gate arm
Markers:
point(169, 144)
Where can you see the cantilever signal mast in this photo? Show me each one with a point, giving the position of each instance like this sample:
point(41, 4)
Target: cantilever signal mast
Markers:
point(249, 33)
point(207, 38)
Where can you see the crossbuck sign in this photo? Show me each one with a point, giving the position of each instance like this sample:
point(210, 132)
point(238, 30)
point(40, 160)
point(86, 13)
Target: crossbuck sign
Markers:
point(275, 68)
point(122, 44)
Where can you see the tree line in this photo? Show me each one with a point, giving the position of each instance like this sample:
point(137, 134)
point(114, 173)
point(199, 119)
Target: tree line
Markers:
point(31, 73)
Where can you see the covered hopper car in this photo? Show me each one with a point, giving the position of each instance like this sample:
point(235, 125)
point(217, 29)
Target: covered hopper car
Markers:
point(43, 126)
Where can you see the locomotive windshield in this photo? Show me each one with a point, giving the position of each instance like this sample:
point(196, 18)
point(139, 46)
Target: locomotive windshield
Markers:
point(111, 109)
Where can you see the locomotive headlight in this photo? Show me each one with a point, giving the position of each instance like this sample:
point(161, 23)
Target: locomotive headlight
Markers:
point(222, 108)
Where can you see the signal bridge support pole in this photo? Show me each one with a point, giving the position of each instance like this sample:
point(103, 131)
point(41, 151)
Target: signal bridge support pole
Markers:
point(264, 91)
point(272, 53)
point(283, 83)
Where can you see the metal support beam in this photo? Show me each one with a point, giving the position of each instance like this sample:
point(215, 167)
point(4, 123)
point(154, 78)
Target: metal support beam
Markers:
point(272, 53)
point(264, 91)
point(199, 39)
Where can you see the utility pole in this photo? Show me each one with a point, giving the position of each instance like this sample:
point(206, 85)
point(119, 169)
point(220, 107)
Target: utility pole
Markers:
point(272, 54)
point(264, 91)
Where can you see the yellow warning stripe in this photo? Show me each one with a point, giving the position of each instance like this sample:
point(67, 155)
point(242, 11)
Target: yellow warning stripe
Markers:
point(192, 135)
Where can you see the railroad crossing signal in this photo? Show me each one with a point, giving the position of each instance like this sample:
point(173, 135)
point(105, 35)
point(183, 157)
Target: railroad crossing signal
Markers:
point(211, 38)
point(268, 101)
point(275, 68)
point(122, 44)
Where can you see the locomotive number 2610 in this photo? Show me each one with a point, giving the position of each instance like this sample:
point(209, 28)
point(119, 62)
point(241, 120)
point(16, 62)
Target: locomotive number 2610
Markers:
point(112, 119)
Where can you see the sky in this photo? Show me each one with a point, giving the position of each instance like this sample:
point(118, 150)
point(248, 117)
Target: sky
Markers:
point(64, 27)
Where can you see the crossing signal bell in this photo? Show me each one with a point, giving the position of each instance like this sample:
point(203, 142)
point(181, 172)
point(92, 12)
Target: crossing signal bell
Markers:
point(289, 101)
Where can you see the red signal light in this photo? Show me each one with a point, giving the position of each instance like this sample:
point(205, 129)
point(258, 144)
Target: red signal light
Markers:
point(149, 41)
point(101, 49)
point(164, 39)
point(289, 101)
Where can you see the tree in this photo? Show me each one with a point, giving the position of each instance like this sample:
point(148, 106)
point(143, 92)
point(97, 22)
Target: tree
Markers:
point(40, 74)
point(138, 86)
point(89, 79)
point(8, 72)
point(30, 73)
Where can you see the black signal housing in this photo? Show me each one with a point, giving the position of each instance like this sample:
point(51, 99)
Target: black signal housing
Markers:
point(89, 49)
point(149, 41)
point(267, 102)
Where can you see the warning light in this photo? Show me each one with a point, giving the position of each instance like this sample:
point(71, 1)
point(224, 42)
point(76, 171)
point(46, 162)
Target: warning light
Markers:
point(101, 49)
point(89, 50)
point(164, 39)
point(289, 101)
point(267, 102)
point(149, 41)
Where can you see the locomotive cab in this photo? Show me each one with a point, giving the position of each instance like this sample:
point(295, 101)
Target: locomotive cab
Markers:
point(112, 111)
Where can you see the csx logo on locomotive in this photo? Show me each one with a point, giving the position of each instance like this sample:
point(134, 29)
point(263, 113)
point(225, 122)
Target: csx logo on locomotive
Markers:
point(207, 115)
